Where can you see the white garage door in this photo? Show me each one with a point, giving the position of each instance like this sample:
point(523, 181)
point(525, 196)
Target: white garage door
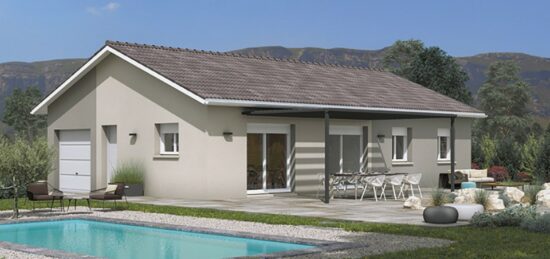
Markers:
point(74, 161)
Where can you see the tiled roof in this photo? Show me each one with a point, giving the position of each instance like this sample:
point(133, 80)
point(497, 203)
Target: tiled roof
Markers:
point(215, 75)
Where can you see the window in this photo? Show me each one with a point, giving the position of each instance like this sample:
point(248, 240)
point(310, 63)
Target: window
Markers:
point(399, 144)
point(169, 138)
point(443, 150)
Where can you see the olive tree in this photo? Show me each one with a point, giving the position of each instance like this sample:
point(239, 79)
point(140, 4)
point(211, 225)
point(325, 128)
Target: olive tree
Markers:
point(21, 163)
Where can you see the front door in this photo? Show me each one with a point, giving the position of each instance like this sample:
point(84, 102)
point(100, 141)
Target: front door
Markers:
point(111, 154)
point(267, 158)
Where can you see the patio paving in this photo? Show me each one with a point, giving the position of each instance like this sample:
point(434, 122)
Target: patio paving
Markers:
point(389, 211)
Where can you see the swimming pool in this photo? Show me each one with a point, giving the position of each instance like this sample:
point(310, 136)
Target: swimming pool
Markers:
point(113, 240)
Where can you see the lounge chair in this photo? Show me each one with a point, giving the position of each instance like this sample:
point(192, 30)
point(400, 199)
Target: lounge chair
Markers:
point(37, 192)
point(113, 192)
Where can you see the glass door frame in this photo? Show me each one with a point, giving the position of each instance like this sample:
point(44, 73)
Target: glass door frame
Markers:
point(264, 129)
point(340, 131)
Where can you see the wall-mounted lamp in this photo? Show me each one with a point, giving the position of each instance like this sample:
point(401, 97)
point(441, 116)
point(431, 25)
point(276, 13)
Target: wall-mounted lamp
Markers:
point(228, 135)
point(381, 137)
point(133, 138)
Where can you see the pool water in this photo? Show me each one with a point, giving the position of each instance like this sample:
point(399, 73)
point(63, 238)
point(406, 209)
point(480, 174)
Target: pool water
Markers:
point(110, 240)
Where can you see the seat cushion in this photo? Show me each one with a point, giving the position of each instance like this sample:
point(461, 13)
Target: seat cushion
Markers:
point(478, 173)
point(105, 196)
point(482, 179)
point(42, 197)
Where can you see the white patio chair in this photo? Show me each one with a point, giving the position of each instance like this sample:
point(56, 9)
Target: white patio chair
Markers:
point(411, 180)
point(393, 180)
point(375, 181)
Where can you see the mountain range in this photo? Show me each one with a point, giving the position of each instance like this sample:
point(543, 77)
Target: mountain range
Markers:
point(47, 75)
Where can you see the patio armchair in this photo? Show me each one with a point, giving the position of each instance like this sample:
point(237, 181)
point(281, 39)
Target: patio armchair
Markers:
point(393, 181)
point(39, 192)
point(411, 180)
point(376, 181)
point(113, 192)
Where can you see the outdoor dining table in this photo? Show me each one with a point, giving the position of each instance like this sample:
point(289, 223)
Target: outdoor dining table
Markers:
point(360, 175)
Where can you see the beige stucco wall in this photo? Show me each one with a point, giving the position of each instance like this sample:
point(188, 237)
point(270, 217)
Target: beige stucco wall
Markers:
point(75, 111)
point(422, 148)
point(211, 166)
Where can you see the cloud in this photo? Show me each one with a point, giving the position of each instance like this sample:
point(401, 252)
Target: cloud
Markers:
point(110, 7)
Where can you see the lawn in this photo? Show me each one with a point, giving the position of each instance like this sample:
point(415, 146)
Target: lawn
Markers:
point(470, 242)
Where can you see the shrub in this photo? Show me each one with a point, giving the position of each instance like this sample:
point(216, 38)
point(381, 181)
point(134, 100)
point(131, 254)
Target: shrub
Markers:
point(500, 173)
point(537, 224)
point(542, 167)
point(524, 177)
point(505, 199)
point(531, 193)
point(488, 151)
point(482, 220)
point(475, 166)
point(440, 197)
point(512, 216)
point(481, 197)
point(129, 173)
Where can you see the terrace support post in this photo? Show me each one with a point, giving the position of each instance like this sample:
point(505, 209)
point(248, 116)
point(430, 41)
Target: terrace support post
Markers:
point(327, 166)
point(452, 154)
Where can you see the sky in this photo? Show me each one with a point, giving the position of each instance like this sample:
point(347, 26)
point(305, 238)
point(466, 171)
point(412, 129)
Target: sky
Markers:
point(55, 29)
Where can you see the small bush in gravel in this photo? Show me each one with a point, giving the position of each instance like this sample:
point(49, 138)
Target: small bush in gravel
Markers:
point(537, 224)
point(512, 216)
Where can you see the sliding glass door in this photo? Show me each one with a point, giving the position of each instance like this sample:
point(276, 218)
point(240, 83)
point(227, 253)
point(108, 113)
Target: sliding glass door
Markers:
point(267, 159)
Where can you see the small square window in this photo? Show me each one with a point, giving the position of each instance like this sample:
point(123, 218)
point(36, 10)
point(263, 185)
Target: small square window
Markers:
point(169, 138)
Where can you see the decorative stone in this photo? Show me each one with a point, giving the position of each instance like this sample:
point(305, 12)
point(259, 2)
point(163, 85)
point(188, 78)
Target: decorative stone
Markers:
point(514, 194)
point(543, 198)
point(414, 203)
point(440, 215)
point(494, 203)
point(546, 186)
point(467, 211)
point(465, 196)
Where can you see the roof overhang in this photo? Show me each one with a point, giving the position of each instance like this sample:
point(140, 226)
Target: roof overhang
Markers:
point(282, 108)
point(42, 107)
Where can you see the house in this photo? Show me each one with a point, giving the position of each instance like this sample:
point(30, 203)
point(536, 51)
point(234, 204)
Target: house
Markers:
point(210, 125)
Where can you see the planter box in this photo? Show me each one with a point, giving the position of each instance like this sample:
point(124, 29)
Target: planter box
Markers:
point(134, 189)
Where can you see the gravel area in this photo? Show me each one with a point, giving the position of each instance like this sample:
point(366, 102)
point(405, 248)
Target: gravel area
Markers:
point(375, 243)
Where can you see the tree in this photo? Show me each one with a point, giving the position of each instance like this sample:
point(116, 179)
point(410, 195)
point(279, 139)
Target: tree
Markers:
point(21, 163)
point(430, 67)
point(543, 159)
point(435, 69)
point(529, 153)
point(488, 151)
point(18, 115)
point(505, 99)
point(536, 129)
point(400, 56)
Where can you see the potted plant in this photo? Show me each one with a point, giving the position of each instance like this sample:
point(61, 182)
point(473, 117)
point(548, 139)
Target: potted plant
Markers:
point(437, 213)
point(131, 174)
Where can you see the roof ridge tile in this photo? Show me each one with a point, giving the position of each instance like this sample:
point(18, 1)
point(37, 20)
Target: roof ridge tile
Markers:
point(233, 54)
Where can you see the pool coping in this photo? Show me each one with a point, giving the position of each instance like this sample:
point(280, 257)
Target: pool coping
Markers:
point(320, 246)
